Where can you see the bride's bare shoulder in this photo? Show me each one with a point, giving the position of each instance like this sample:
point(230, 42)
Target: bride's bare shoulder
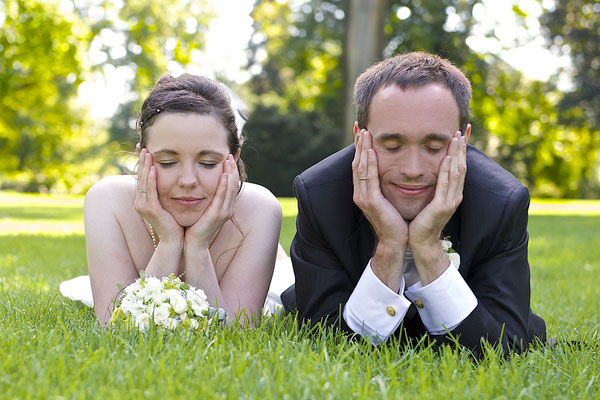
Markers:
point(257, 201)
point(111, 191)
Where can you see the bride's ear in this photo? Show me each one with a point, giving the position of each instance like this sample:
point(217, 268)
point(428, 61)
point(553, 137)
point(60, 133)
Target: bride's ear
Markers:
point(137, 147)
point(237, 154)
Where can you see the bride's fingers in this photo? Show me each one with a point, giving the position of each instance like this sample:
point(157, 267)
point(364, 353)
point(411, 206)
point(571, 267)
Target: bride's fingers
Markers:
point(141, 169)
point(232, 186)
point(151, 184)
point(217, 202)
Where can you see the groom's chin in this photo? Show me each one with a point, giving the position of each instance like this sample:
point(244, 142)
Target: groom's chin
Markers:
point(408, 208)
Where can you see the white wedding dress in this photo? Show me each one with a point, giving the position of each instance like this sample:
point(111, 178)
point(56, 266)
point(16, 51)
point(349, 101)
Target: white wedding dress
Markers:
point(80, 288)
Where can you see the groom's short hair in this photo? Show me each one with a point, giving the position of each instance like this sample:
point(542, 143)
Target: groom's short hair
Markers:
point(415, 69)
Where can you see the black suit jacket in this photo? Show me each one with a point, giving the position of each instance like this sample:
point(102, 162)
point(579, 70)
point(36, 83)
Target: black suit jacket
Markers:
point(334, 242)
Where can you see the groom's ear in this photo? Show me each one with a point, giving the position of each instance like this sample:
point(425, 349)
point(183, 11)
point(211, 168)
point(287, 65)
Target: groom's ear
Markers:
point(355, 130)
point(467, 132)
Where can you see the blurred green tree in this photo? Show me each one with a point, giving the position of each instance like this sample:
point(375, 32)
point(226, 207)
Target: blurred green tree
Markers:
point(47, 140)
point(572, 27)
point(298, 57)
point(42, 63)
point(148, 37)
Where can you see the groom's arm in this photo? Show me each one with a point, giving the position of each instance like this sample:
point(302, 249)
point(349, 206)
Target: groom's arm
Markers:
point(322, 285)
point(500, 278)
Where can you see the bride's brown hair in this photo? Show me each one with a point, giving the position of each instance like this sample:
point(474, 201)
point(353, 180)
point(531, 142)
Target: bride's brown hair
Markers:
point(191, 94)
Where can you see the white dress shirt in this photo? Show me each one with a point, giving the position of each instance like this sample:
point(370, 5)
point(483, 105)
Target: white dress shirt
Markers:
point(374, 310)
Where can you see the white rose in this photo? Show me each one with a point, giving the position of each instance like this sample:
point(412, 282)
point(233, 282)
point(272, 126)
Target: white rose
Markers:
point(446, 244)
point(199, 293)
point(132, 287)
point(160, 298)
point(172, 294)
point(149, 309)
point(161, 314)
point(143, 321)
point(179, 304)
point(154, 284)
point(136, 309)
point(454, 259)
point(199, 308)
point(193, 324)
point(197, 296)
point(171, 323)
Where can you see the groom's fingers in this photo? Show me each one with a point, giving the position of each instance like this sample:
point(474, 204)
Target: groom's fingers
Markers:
point(357, 168)
point(372, 182)
point(453, 173)
point(441, 187)
point(458, 169)
point(363, 166)
point(462, 161)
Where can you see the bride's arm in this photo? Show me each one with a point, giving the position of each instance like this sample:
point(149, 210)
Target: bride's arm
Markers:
point(110, 262)
point(245, 282)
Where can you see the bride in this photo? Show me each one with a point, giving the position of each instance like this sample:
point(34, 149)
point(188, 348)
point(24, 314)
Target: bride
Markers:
point(188, 212)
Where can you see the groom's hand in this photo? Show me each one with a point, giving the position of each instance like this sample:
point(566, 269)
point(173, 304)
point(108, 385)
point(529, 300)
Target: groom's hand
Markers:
point(390, 228)
point(426, 229)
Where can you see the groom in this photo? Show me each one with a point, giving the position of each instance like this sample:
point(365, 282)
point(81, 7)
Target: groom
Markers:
point(367, 253)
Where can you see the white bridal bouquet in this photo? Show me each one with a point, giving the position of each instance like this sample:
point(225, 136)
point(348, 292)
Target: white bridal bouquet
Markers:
point(168, 303)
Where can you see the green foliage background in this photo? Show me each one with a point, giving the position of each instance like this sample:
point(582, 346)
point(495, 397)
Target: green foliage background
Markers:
point(547, 138)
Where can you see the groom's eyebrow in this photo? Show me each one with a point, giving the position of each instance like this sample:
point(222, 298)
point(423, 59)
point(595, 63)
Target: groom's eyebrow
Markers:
point(430, 137)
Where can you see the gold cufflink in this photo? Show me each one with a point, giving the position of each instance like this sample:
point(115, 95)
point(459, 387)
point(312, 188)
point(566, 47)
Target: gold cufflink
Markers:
point(419, 303)
point(391, 311)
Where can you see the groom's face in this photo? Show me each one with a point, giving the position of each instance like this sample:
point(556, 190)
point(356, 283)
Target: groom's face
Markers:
point(411, 131)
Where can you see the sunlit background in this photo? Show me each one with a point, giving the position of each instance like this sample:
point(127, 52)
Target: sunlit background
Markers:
point(73, 74)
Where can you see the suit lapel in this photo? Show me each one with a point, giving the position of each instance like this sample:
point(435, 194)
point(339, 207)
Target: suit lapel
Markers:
point(452, 230)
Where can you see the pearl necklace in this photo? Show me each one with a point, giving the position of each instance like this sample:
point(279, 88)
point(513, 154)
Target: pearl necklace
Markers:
point(152, 234)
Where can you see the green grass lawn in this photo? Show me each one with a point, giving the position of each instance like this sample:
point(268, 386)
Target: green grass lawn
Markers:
point(52, 348)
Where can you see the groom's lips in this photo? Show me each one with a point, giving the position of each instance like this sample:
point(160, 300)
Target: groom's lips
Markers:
point(188, 201)
point(411, 190)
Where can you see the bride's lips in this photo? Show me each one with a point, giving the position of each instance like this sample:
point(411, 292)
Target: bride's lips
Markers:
point(412, 190)
point(187, 201)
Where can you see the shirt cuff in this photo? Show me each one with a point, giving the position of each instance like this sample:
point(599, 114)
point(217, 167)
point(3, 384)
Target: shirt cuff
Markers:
point(374, 310)
point(444, 303)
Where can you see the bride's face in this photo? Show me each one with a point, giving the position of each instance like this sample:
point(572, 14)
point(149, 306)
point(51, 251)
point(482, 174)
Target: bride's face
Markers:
point(188, 150)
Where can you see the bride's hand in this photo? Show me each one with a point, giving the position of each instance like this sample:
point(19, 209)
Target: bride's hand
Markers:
point(147, 204)
point(219, 210)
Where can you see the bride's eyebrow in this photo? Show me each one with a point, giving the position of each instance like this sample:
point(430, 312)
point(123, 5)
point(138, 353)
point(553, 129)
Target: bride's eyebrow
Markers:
point(211, 153)
point(200, 154)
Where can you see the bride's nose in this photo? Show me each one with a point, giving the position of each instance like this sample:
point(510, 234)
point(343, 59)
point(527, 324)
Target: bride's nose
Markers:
point(188, 177)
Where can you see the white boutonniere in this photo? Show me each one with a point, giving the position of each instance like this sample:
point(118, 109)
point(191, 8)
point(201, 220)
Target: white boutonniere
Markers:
point(167, 303)
point(452, 255)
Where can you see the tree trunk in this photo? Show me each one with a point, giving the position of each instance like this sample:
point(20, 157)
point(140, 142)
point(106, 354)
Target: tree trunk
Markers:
point(363, 45)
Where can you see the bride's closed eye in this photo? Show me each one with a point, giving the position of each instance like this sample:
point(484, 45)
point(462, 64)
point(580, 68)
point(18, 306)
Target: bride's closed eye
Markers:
point(166, 164)
point(208, 164)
